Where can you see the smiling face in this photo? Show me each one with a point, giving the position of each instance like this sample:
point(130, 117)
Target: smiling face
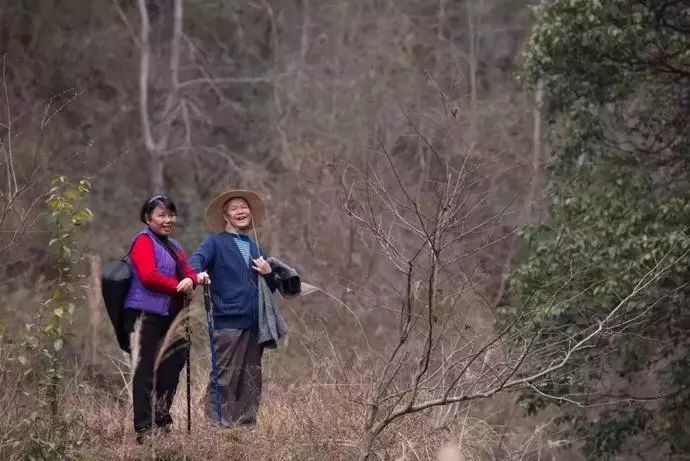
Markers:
point(237, 215)
point(161, 221)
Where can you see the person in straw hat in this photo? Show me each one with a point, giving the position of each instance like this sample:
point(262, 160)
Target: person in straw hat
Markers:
point(232, 262)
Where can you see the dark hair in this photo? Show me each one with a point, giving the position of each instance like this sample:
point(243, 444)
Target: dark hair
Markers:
point(151, 204)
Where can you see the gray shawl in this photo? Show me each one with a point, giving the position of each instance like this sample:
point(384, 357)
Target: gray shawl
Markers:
point(272, 326)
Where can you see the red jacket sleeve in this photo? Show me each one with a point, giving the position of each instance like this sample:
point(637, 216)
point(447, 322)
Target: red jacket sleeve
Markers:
point(186, 268)
point(143, 258)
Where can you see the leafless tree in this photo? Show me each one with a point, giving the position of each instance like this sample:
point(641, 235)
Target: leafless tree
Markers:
point(158, 144)
point(18, 199)
point(439, 356)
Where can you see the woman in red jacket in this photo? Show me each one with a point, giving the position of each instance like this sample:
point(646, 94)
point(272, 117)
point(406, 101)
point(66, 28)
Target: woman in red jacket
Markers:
point(162, 279)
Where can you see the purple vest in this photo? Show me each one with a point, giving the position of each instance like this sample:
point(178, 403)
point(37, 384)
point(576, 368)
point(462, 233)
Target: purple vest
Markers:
point(140, 297)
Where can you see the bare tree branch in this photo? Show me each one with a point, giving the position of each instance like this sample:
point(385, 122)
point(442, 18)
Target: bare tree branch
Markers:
point(144, 69)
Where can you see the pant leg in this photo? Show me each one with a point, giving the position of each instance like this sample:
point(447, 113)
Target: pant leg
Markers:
point(145, 333)
point(238, 357)
point(228, 375)
point(251, 379)
point(168, 377)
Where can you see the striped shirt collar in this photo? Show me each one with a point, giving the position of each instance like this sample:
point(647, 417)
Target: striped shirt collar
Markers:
point(238, 235)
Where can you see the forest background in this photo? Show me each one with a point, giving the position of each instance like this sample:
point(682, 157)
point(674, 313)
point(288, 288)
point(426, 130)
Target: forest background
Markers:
point(487, 198)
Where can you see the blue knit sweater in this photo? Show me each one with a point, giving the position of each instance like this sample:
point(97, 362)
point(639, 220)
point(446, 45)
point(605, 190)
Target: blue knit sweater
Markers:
point(234, 290)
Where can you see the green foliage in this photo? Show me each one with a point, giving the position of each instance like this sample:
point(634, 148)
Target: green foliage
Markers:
point(599, 51)
point(614, 75)
point(616, 72)
point(607, 233)
point(37, 361)
point(67, 216)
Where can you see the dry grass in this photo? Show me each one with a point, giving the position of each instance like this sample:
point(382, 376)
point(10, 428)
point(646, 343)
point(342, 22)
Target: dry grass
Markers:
point(308, 413)
point(297, 421)
point(305, 422)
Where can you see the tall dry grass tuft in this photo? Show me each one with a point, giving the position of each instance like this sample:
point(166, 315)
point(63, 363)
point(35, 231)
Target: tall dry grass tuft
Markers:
point(134, 358)
point(174, 339)
point(12, 417)
point(135, 354)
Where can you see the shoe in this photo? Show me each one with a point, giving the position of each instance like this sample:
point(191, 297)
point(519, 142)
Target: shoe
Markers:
point(144, 437)
point(232, 434)
point(164, 429)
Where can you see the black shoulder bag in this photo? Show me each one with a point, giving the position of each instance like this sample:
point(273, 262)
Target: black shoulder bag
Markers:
point(116, 278)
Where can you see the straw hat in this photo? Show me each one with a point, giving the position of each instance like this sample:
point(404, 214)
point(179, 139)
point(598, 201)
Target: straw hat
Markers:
point(214, 210)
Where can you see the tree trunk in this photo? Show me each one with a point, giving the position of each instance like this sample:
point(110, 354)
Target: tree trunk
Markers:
point(472, 27)
point(157, 173)
point(161, 30)
point(528, 206)
point(365, 446)
point(94, 303)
